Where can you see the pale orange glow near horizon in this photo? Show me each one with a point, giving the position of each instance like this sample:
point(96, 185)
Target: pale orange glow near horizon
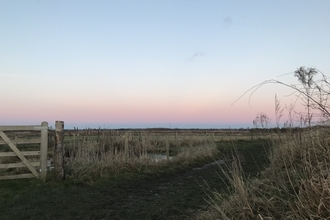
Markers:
point(126, 114)
point(160, 108)
point(122, 64)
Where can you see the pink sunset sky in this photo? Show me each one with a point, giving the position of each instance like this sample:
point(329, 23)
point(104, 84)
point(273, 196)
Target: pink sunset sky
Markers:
point(141, 64)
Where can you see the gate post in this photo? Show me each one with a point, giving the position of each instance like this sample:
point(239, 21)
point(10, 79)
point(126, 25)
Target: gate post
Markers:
point(43, 150)
point(167, 149)
point(58, 150)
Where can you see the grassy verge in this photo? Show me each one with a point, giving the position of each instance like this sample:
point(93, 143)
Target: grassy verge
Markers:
point(295, 185)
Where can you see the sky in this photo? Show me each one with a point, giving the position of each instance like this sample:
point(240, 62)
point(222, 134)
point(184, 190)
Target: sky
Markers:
point(148, 63)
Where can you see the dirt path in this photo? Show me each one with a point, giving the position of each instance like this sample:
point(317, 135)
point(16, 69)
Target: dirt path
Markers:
point(173, 195)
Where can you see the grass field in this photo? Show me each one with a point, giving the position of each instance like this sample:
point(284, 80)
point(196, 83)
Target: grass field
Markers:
point(295, 185)
point(264, 174)
point(135, 187)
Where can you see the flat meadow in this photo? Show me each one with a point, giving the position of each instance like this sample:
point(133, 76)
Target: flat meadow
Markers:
point(179, 174)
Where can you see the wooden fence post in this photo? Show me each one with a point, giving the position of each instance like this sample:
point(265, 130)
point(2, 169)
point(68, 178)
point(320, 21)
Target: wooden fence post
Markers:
point(58, 150)
point(43, 150)
point(126, 146)
point(167, 149)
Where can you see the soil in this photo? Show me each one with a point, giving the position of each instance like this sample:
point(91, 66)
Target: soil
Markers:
point(172, 195)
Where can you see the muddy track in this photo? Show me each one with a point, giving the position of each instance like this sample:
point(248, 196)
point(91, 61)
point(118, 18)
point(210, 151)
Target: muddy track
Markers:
point(172, 195)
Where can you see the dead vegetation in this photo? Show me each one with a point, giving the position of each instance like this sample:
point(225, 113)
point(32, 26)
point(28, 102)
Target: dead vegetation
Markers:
point(90, 157)
point(296, 185)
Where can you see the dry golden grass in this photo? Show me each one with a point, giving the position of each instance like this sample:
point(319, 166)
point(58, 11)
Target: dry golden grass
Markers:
point(88, 158)
point(296, 185)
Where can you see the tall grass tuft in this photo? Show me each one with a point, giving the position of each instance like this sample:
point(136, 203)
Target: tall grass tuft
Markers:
point(296, 185)
point(88, 158)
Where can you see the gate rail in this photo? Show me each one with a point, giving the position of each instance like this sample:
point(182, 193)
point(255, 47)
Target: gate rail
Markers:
point(43, 140)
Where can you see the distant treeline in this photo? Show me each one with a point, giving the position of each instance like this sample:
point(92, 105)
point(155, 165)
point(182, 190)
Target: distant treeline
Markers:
point(199, 131)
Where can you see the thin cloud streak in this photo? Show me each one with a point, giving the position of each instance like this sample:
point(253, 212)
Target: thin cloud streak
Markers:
point(228, 21)
point(196, 55)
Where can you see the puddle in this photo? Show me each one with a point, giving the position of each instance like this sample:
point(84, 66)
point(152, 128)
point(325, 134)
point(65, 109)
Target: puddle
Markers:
point(217, 162)
point(158, 157)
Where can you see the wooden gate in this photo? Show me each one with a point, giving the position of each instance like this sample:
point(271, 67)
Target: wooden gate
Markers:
point(23, 155)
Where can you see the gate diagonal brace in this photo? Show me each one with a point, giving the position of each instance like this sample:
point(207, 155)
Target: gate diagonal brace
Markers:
point(19, 154)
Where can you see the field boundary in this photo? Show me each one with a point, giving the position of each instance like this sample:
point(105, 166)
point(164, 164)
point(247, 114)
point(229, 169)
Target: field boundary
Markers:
point(42, 153)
